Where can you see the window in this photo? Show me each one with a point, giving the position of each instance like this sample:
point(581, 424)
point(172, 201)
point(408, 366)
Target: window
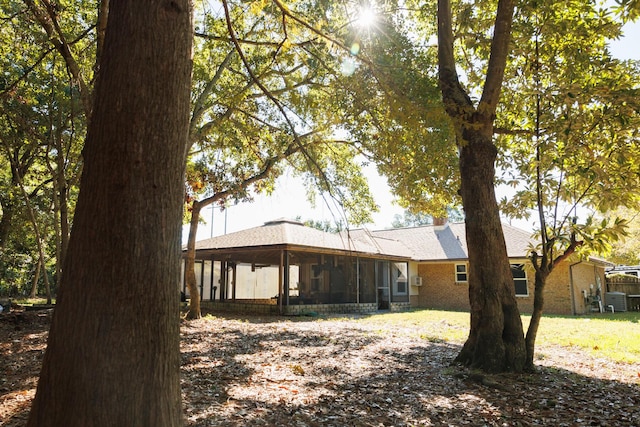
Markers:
point(399, 278)
point(461, 273)
point(520, 279)
point(316, 277)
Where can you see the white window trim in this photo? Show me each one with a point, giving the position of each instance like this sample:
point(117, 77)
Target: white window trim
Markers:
point(526, 279)
point(466, 272)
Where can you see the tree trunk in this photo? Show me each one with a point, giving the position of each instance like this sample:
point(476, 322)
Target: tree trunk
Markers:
point(62, 197)
point(34, 282)
point(113, 350)
point(496, 341)
point(190, 267)
point(538, 306)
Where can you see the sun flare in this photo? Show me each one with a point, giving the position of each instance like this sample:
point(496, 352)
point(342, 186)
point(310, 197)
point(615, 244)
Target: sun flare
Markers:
point(366, 17)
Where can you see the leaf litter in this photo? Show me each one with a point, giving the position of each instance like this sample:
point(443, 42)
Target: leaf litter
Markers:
point(277, 371)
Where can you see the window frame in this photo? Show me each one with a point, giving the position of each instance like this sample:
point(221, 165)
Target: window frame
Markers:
point(517, 280)
point(457, 274)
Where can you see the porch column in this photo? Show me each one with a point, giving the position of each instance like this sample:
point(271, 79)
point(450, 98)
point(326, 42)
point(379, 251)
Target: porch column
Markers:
point(357, 280)
point(281, 283)
point(286, 275)
point(233, 281)
point(223, 280)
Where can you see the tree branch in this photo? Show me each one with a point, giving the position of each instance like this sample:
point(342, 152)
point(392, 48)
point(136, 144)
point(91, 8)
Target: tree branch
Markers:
point(49, 23)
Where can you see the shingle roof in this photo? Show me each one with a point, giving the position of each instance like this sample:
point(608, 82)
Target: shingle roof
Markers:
point(449, 242)
point(424, 243)
point(294, 233)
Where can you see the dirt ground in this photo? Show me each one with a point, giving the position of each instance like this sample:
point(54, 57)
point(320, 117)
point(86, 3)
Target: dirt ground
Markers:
point(274, 371)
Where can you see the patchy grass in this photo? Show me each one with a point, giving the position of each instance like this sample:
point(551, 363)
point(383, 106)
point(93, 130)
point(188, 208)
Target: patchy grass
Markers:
point(432, 325)
point(612, 336)
point(31, 301)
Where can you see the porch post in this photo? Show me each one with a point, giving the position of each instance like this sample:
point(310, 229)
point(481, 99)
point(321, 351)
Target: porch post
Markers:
point(223, 279)
point(233, 283)
point(286, 275)
point(281, 283)
point(357, 280)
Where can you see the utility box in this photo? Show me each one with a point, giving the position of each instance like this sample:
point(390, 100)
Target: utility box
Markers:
point(617, 299)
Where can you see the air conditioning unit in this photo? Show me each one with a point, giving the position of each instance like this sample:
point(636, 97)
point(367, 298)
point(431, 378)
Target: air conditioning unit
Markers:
point(417, 281)
point(617, 299)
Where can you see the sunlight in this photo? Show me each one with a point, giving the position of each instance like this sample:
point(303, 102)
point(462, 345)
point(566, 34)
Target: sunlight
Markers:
point(367, 17)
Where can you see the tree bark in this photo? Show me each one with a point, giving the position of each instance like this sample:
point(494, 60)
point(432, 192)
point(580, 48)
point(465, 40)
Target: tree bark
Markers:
point(496, 340)
point(34, 282)
point(113, 350)
point(536, 315)
point(190, 270)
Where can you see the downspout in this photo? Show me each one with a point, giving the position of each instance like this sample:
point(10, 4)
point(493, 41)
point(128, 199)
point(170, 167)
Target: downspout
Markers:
point(571, 288)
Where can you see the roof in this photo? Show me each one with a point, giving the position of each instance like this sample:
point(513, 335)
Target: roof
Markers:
point(424, 243)
point(293, 234)
point(449, 242)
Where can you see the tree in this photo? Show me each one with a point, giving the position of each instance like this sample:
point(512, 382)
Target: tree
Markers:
point(47, 54)
point(113, 348)
point(576, 150)
point(262, 107)
point(496, 340)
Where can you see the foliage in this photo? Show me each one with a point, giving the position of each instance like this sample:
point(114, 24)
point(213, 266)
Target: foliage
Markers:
point(410, 219)
point(42, 128)
point(573, 150)
point(392, 108)
point(325, 225)
point(260, 100)
point(627, 249)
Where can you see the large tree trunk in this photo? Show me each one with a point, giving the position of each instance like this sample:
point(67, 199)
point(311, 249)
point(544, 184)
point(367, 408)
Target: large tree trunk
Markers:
point(496, 340)
point(113, 351)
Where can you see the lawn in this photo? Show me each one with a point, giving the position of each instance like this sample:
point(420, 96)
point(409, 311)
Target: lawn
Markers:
point(615, 337)
point(389, 369)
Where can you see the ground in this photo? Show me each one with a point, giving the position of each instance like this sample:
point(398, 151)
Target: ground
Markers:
point(252, 371)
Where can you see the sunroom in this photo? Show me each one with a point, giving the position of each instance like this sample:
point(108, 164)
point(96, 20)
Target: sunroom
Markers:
point(285, 267)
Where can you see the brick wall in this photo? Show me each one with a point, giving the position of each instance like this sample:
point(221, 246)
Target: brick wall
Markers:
point(439, 289)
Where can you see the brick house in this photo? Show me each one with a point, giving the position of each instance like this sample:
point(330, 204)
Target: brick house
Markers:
point(440, 265)
point(286, 267)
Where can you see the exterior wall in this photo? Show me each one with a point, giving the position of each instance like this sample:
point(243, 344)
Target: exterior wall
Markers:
point(399, 306)
point(557, 291)
point(587, 279)
point(439, 289)
point(330, 308)
point(270, 307)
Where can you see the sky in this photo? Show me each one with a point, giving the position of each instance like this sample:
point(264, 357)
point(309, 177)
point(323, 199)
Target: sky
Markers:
point(290, 200)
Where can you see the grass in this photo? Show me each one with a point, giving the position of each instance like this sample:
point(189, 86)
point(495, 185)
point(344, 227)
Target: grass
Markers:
point(615, 337)
point(31, 301)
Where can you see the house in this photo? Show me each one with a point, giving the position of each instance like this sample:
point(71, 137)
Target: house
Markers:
point(286, 267)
